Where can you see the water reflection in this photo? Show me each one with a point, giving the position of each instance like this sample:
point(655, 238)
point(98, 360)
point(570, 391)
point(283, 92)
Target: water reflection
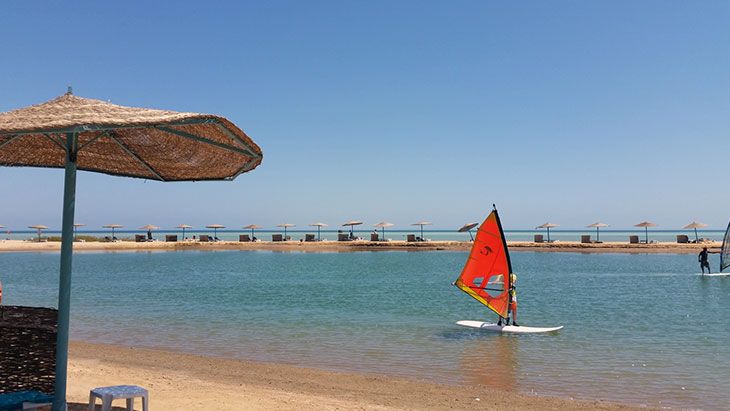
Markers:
point(491, 361)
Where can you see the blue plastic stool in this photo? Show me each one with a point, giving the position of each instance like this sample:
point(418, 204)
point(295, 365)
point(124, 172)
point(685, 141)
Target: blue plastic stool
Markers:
point(118, 392)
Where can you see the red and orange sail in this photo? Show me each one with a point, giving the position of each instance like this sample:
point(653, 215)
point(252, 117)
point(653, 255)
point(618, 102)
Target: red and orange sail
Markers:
point(486, 273)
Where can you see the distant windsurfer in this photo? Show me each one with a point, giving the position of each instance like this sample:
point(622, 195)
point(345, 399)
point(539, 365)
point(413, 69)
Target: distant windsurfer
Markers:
point(512, 305)
point(704, 262)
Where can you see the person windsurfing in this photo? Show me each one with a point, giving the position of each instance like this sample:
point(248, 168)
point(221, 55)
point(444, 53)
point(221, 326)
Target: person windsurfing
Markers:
point(512, 306)
point(703, 260)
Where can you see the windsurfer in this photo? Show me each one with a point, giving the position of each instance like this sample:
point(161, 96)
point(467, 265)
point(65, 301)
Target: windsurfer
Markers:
point(704, 262)
point(512, 307)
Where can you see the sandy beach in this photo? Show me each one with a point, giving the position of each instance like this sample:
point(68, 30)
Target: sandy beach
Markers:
point(342, 246)
point(188, 382)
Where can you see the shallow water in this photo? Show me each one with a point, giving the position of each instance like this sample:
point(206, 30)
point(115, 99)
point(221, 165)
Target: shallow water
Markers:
point(639, 328)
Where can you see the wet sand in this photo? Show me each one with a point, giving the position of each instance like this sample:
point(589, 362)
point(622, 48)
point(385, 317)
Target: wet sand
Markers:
point(349, 246)
point(179, 381)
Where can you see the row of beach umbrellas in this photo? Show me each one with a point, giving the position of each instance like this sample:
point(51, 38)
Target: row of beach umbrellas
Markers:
point(645, 224)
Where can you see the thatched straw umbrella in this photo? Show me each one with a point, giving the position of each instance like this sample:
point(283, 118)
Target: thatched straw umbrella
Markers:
point(149, 228)
point(252, 227)
point(77, 225)
point(352, 224)
point(468, 227)
point(78, 133)
point(285, 226)
point(184, 227)
point(382, 225)
point(597, 226)
point(215, 228)
point(695, 225)
point(39, 228)
point(646, 225)
point(422, 223)
point(319, 229)
point(548, 226)
point(113, 227)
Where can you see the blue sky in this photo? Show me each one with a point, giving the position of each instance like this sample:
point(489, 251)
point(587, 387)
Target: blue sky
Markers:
point(572, 111)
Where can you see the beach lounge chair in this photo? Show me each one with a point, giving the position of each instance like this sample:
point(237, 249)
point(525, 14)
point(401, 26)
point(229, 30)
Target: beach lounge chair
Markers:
point(244, 238)
point(309, 237)
point(171, 238)
point(539, 238)
point(204, 238)
point(585, 239)
point(277, 237)
point(633, 239)
point(343, 236)
point(27, 356)
point(411, 238)
point(140, 238)
point(374, 237)
point(682, 239)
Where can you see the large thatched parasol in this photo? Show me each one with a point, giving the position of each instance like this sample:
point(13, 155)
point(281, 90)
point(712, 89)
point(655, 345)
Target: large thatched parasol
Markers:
point(467, 228)
point(113, 227)
point(319, 229)
point(215, 228)
point(548, 226)
point(252, 227)
point(184, 227)
point(695, 225)
point(382, 225)
point(597, 226)
point(646, 225)
point(285, 226)
point(78, 133)
point(422, 223)
point(40, 228)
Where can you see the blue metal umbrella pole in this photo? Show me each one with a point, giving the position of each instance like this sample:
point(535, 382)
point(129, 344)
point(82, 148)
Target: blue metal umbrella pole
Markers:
point(64, 286)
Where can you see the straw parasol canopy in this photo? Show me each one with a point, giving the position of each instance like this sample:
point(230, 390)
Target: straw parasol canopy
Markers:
point(285, 226)
point(422, 223)
point(382, 225)
point(78, 133)
point(113, 227)
point(77, 225)
point(215, 228)
point(252, 227)
point(467, 228)
point(40, 228)
point(695, 225)
point(149, 227)
point(319, 229)
point(184, 227)
point(646, 225)
point(597, 226)
point(548, 226)
point(352, 224)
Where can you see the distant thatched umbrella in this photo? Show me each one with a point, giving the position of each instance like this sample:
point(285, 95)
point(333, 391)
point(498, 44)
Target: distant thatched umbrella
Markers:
point(184, 227)
point(285, 226)
point(352, 224)
point(215, 228)
point(39, 228)
point(646, 225)
point(252, 227)
point(79, 133)
point(467, 228)
point(382, 225)
point(77, 225)
point(113, 227)
point(597, 226)
point(149, 227)
point(422, 223)
point(695, 225)
point(548, 226)
point(319, 228)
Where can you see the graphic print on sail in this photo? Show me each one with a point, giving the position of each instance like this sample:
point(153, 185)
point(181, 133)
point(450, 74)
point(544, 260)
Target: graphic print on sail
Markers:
point(725, 251)
point(485, 276)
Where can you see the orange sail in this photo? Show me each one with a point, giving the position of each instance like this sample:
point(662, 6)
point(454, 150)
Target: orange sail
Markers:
point(486, 273)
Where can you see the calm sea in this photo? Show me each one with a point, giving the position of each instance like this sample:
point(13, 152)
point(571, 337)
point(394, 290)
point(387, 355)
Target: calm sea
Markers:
point(641, 329)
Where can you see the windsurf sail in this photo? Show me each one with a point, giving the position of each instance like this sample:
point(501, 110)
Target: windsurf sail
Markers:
point(725, 251)
point(486, 273)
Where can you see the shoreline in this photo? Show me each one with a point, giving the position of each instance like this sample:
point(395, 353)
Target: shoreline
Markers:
point(179, 381)
point(355, 246)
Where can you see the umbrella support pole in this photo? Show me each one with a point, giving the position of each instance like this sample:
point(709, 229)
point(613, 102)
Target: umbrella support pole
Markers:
point(64, 286)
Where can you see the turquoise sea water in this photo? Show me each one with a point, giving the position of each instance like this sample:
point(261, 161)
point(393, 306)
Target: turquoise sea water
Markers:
point(639, 328)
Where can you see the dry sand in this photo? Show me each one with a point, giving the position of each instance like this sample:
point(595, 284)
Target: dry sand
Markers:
point(335, 246)
point(188, 382)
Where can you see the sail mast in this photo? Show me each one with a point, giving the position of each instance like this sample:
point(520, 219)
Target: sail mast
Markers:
point(725, 250)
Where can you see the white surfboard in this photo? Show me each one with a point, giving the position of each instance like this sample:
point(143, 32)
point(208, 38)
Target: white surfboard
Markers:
point(714, 275)
point(506, 328)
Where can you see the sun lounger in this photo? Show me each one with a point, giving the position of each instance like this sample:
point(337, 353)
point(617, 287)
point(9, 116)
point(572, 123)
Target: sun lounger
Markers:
point(27, 356)
point(633, 239)
point(171, 238)
point(411, 238)
point(585, 239)
point(539, 238)
point(374, 237)
point(140, 238)
point(244, 238)
point(204, 238)
point(277, 237)
point(682, 239)
point(343, 237)
point(309, 237)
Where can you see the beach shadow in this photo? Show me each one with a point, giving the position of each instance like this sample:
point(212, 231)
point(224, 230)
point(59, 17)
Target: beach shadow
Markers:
point(76, 406)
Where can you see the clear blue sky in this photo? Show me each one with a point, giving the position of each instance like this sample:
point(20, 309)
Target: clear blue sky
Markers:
point(572, 111)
